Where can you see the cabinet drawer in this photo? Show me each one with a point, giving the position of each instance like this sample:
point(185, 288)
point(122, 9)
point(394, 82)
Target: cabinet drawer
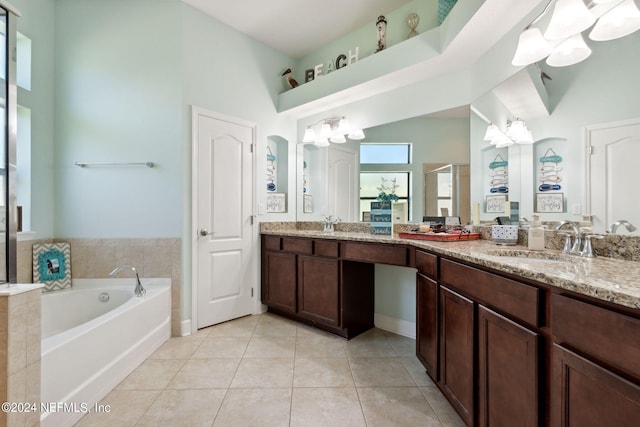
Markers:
point(299, 246)
point(506, 295)
point(271, 243)
point(367, 252)
point(427, 264)
point(325, 248)
point(609, 336)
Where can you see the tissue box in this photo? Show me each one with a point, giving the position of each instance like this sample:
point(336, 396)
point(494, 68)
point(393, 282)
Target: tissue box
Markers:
point(504, 234)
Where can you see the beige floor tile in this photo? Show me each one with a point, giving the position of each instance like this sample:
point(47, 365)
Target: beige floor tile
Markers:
point(370, 346)
point(268, 346)
point(275, 326)
point(178, 347)
point(381, 372)
point(152, 374)
point(255, 407)
point(126, 407)
point(221, 348)
point(448, 416)
point(417, 371)
point(264, 373)
point(242, 327)
point(319, 346)
point(205, 373)
point(322, 372)
point(326, 407)
point(403, 346)
point(193, 408)
point(396, 406)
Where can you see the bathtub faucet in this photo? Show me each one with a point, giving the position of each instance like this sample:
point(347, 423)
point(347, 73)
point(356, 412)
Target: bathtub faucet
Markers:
point(140, 290)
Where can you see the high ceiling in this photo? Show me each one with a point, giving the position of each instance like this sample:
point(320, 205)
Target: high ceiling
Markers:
point(296, 27)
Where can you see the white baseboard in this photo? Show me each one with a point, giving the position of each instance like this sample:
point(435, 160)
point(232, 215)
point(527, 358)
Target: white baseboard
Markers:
point(397, 326)
point(185, 328)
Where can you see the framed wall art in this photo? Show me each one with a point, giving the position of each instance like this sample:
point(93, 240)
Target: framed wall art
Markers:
point(276, 202)
point(307, 203)
point(52, 265)
point(495, 203)
point(550, 202)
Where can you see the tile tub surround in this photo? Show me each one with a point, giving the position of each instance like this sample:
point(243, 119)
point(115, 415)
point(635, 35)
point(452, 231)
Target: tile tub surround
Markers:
point(607, 279)
point(20, 354)
point(265, 370)
point(95, 258)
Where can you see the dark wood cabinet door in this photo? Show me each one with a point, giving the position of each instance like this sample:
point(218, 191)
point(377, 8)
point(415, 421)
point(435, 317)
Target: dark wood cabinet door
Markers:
point(585, 394)
point(319, 289)
point(427, 325)
point(279, 280)
point(457, 353)
point(507, 372)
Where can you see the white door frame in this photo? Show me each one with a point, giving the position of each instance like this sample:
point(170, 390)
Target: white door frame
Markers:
point(195, 113)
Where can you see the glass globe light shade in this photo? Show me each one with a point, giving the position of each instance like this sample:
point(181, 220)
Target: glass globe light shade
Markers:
point(532, 47)
point(569, 17)
point(620, 21)
point(569, 52)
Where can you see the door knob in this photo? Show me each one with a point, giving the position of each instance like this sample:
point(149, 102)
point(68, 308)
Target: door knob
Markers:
point(204, 232)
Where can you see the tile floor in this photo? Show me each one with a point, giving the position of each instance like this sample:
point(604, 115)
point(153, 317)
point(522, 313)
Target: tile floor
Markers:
point(268, 371)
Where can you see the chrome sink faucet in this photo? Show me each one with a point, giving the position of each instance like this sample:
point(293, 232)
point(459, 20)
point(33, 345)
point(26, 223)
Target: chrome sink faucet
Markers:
point(139, 290)
point(328, 223)
point(576, 248)
point(614, 227)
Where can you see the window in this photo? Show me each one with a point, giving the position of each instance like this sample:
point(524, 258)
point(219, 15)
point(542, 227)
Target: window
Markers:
point(396, 154)
point(369, 189)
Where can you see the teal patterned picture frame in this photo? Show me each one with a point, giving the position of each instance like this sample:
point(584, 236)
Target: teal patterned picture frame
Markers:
point(52, 265)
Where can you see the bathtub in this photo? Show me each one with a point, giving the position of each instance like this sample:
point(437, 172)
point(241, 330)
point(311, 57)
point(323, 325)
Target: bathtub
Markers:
point(93, 336)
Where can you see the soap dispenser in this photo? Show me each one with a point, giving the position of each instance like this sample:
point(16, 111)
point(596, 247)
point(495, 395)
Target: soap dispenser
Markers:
point(536, 234)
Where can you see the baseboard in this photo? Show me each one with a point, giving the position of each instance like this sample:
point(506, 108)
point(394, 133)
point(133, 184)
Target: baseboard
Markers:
point(397, 326)
point(185, 328)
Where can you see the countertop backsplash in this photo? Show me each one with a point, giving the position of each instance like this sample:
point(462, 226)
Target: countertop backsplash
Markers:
point(616, 246)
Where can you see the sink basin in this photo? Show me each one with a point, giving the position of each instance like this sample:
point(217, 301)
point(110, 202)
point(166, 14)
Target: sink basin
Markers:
point(530, 256)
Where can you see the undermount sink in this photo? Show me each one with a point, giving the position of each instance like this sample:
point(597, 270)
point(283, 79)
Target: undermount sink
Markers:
point(530, 256)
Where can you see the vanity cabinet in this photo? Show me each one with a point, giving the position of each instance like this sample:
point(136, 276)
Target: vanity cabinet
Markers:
point(508, 376)
point(484, 350)
point(279, 280)
point(319, 289)
point(427, 342)
point(457, 338)
point(595, 365)
point(307, 280)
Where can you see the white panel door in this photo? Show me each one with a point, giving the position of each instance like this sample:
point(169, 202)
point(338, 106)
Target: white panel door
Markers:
point(344, 183)
point(223, 176)
point(614, 174)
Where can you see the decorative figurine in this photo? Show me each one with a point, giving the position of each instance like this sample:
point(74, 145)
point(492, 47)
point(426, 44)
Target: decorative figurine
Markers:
point(288, 77)
point(381, 25)
point(412, 22)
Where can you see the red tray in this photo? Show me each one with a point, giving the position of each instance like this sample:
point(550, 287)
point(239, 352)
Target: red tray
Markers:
point(440, 237)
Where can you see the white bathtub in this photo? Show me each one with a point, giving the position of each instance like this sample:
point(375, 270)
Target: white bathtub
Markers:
point(89, 345)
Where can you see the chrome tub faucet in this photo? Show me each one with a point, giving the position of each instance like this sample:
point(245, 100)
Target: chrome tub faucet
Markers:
point(139, 290)
point(614, 227)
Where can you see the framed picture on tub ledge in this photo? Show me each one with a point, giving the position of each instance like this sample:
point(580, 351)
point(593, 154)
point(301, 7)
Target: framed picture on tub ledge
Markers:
point(52, 265)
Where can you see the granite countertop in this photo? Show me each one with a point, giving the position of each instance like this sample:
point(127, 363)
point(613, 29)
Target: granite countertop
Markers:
point(608, 279)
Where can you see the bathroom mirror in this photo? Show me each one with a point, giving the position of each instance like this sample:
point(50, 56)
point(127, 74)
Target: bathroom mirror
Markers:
point(441, 138)
point(7, 146)
point(596, 94)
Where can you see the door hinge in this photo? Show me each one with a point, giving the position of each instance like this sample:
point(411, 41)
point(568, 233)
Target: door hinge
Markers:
point(590, 149)
point(252, 148)
point(251, 292)
point(252, 217)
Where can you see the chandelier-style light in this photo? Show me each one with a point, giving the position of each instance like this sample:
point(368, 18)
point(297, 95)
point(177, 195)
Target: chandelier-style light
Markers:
point(562, 43)
point(516, 133)
point(333, 129)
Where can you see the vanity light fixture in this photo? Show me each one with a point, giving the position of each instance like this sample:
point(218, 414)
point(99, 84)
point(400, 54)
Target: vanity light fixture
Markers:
point(562, 43)
point(516, 133)
point(333, 129)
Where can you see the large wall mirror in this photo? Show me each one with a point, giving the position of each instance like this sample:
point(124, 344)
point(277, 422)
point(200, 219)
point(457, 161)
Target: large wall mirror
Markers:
point(342, 179)
point(566, 108)
point(8, 144)
point(592, 103)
